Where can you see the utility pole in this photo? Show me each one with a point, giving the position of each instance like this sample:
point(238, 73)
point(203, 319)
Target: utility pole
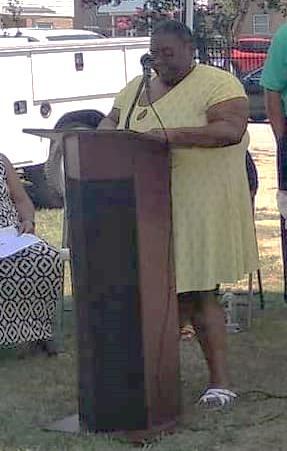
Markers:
point(189, 7)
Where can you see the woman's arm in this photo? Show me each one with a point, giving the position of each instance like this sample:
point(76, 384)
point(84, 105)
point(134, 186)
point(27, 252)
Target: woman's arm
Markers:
point(19, 196)
point(226, 125)
point(111, 121)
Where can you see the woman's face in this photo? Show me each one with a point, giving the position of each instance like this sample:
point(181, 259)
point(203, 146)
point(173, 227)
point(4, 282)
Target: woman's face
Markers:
point(172, 57)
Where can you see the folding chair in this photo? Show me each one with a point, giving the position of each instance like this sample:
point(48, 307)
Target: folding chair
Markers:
point(60, 309)
point(253, 186)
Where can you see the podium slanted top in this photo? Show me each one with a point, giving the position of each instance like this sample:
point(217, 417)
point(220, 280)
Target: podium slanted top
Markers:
point(52, 134)
point(58, 134)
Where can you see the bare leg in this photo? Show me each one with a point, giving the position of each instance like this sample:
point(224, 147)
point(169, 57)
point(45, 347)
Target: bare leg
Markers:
point(207, 318)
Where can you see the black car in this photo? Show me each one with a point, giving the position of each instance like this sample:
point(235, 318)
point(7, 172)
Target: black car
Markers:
point(251, 83)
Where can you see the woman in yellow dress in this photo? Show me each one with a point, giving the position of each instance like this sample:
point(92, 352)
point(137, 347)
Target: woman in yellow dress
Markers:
point(204, 111)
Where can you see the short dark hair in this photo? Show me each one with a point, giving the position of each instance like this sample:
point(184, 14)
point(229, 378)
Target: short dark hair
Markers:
point(179, 29)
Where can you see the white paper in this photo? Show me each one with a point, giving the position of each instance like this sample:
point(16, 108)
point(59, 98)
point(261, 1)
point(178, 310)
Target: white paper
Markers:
point(11, 242)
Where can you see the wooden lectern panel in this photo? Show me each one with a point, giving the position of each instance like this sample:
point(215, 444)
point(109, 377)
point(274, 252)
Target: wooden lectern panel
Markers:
point(121, 246)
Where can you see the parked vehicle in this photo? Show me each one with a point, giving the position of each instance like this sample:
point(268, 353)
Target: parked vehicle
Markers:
point(249, 53)
point(47, 35)
point(251, 83)
point(58, 85)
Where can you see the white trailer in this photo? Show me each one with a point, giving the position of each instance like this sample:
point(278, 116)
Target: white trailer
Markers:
point(58, 85)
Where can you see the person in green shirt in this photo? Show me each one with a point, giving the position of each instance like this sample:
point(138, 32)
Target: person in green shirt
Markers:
point(274, 81)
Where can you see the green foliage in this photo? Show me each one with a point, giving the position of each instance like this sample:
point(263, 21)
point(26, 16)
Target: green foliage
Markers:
point(15, 9)
point(153, 12)
point(224, 18)
point(221, 17)
point(279, 5)
point(95, 3)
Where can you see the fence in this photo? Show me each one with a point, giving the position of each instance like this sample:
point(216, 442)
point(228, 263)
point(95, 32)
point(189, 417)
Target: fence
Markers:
point(245, 64)
point(236, 59)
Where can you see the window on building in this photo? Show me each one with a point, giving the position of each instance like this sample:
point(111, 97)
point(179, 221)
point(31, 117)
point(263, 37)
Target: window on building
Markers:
point(43, 25)
point(261, 24)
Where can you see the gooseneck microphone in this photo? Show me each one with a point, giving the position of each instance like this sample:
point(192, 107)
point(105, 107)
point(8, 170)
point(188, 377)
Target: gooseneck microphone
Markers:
point(147, 63)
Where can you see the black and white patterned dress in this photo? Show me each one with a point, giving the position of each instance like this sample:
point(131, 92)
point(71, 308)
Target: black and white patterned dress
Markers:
point(30, 283)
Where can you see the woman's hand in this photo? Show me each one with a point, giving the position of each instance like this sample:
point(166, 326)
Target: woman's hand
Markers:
point(26, 226)
point(18, 195)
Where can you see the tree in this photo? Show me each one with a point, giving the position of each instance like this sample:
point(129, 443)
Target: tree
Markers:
point(220, 17)
point(217, 26)
point(225, 17)
point(15, 9)
point(95, 3)
point(154, 11)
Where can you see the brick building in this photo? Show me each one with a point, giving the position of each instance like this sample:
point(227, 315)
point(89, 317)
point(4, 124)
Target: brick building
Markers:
point(260, 22)
point(44, 14)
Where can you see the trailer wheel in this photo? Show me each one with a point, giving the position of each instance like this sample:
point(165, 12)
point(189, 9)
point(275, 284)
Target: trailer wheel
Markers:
point(54, 167)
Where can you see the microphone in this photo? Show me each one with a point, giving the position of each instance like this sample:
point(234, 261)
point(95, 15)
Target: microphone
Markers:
point(147, 63)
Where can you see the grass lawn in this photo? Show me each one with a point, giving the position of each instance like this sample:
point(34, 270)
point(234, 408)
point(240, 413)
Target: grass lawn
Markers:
point(37, 390)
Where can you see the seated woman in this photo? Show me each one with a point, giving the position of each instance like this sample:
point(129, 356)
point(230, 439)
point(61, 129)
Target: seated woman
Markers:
point(30, 280)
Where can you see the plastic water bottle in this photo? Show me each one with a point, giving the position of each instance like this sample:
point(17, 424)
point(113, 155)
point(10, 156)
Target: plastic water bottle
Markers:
point(228, 302)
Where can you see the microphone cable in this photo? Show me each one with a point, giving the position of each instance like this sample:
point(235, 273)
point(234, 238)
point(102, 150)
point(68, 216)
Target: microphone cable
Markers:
point(147, 76)
point(170, 277)
point(132, 107)
point(144, 83)
point(146, 62)
point(158, 118)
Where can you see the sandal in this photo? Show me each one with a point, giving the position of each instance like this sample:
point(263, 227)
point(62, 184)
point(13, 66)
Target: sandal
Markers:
point(187, 332)
point(217, 398)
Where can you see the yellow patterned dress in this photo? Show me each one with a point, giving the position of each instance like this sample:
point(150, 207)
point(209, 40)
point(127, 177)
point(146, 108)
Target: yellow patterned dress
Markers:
point(214, 237)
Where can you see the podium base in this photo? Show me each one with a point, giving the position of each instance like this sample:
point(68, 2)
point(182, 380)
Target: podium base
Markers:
point(71, 425)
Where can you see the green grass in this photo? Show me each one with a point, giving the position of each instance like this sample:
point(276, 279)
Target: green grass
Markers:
point(37, 390)
point(49, 226)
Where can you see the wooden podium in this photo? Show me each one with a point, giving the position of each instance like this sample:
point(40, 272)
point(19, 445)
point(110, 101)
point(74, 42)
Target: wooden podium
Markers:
point(119, 220)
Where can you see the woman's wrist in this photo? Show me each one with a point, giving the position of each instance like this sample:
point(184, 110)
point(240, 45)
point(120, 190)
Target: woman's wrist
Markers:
point(26, 226)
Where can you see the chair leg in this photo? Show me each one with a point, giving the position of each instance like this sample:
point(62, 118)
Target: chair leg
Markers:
point(250, 300)
point(261, 294)
point(59, 317)
point(58, 326)
point(60, 310)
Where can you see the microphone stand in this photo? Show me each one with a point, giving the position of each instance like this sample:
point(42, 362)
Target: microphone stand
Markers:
point(145, 82)
point(147, 79)
point(132, 107)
